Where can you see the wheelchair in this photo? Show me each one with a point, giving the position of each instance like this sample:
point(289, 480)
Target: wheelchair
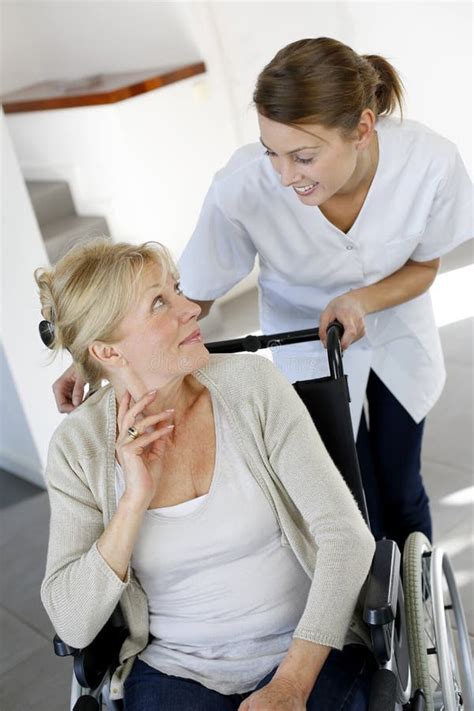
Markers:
point(417, 627)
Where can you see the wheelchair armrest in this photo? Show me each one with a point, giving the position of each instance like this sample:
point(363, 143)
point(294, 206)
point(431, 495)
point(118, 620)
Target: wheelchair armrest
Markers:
point(61, 649)
point(380, 606)
point(102, 654)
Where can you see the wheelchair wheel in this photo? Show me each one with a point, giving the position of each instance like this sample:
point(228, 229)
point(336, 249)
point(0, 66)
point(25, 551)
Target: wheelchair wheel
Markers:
point(438, 640)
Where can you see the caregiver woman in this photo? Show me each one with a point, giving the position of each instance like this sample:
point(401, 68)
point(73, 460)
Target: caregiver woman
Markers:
point(349, 212)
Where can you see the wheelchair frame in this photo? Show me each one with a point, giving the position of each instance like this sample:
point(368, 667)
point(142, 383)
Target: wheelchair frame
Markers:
point(421, 667)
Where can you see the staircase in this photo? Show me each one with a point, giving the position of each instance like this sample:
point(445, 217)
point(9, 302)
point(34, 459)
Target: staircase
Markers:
point(60, 225)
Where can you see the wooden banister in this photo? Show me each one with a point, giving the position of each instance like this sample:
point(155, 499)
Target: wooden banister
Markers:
point(96, 90)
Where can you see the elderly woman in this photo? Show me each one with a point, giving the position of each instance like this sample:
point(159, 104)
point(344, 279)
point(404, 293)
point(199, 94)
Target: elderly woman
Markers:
point(195, 491)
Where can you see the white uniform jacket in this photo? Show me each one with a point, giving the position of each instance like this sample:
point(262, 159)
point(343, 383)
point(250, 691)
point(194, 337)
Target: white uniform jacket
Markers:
point(419, 207)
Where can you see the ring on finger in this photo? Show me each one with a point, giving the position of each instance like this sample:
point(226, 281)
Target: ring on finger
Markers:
point(133, 433)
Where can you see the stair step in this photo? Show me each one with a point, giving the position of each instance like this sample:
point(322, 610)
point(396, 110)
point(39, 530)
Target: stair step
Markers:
point(60, 235)
point(51, 200)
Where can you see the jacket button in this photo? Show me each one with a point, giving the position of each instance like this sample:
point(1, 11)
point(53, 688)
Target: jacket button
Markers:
point(349, 247)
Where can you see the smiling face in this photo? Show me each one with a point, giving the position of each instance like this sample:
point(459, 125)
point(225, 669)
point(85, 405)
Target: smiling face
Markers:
point(159, 339)
point(316, 162)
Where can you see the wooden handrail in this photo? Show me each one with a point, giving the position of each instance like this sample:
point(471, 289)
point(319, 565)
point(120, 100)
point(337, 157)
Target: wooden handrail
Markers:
point(96, 90)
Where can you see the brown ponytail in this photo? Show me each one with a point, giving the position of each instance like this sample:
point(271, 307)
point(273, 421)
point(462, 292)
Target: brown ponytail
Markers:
point(389, 89)
point(324, 81)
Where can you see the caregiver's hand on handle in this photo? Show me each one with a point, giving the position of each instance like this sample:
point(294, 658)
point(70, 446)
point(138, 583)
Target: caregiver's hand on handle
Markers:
point(349, 311)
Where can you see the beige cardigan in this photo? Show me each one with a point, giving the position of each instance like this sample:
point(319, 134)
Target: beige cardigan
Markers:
point(318, 516)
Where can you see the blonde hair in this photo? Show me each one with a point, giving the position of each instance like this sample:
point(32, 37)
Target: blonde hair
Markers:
point(88, 292)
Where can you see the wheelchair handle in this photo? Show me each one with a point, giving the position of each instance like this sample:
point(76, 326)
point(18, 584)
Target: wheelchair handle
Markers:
point(255, 343)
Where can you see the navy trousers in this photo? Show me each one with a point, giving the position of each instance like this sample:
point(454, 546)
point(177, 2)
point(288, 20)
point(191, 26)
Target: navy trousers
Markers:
point(389, 451)
point(342, 685)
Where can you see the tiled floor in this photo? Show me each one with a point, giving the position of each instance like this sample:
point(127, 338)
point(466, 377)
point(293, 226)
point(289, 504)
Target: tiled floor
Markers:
point(31, 677)
point(13, 489)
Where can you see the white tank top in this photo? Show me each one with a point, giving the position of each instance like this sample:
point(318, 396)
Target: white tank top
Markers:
point(224, 594)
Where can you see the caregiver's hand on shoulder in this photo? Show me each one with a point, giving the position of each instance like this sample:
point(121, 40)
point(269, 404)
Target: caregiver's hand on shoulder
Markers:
point(349, 311)
point(68, 390)
point(141, 457)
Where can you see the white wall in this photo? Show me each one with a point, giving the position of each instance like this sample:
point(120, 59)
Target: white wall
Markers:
point(429, 42)
point(17, 450)
point(246, 36)
point(431, 45)
point(27, 402)
point(70, 39)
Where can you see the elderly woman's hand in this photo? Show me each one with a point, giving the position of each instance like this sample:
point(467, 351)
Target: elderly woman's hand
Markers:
point(349, 311)
point(279, 694)
point(141, 458)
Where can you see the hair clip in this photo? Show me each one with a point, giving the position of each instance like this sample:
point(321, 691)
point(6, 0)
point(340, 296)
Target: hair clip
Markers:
point(46, 329)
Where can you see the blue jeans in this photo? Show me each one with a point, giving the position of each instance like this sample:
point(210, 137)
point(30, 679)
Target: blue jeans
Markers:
point(389, 452)
point(343, 685)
